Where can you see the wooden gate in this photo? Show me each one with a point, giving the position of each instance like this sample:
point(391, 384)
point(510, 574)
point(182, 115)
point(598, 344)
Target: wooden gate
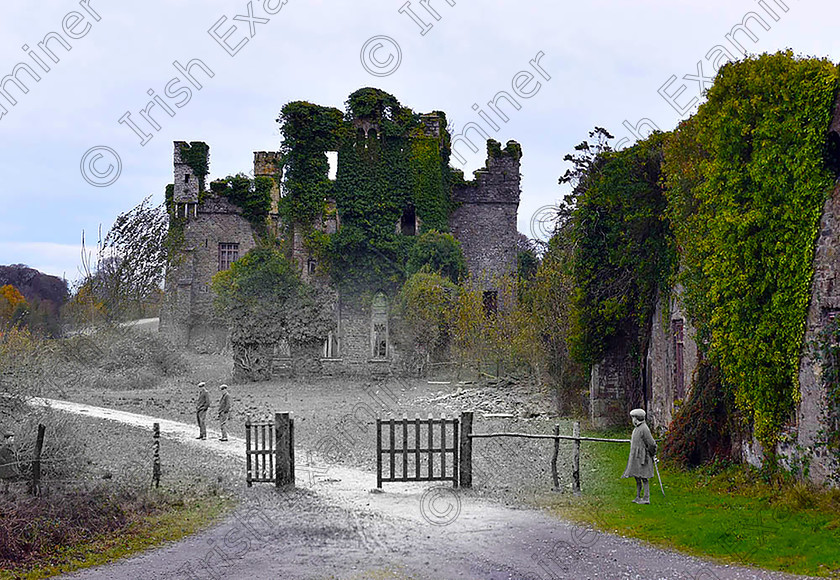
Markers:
point(270, 451)
point(417, 450)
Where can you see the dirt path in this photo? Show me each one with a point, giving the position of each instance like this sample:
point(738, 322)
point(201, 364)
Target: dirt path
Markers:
point(332, 526)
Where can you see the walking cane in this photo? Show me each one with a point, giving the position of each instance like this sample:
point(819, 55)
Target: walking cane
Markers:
point(656, 466)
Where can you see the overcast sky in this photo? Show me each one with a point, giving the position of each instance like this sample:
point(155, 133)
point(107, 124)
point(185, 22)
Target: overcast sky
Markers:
point(597, 62)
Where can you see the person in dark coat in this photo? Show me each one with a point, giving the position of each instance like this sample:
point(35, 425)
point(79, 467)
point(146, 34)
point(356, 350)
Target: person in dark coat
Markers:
point(8, 460)
point(201, 407)
point(224, 411)
point(642, 454)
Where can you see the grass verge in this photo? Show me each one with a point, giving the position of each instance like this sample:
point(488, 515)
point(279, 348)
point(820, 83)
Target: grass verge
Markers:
point(142, 532)
point(732, 514)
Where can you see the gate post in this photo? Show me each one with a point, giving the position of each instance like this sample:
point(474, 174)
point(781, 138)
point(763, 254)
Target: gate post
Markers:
point(465, 445)
point(248, 450)
point(576, 458)
point(284, 471)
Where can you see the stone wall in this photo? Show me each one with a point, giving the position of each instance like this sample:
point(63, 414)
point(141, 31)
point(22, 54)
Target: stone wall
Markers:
point(825, 303)
point(187, 317)
point(484, 221)
point(660, 370)
point(613, 391)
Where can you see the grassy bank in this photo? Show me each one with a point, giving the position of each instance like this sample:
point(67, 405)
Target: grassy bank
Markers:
point(99, 507)
point(733, 514)
point(171, 519)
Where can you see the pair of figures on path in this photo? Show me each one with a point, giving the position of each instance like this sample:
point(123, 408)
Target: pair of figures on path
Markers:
point(641, 463)
point(203, 404)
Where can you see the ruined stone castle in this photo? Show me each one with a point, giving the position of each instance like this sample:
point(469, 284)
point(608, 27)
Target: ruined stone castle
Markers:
point(215, 234)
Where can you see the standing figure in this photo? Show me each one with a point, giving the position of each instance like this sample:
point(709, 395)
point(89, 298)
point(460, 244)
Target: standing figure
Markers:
point(224, 411)
point(642, 453)
point(8, 460)
point(201, 407)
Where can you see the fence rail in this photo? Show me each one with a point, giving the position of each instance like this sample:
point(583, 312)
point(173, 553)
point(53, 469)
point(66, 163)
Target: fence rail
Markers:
point(467, 437)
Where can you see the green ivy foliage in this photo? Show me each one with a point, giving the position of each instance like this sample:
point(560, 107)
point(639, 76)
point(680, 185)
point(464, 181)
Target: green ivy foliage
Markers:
point(196, 155)
point(309, 131)
point(747, 178)
point(252, 196)
point(437, 252)
point(623, 250)
point(387, 165)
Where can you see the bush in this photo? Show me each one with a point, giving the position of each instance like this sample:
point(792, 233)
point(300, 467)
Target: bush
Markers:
point(438, 252)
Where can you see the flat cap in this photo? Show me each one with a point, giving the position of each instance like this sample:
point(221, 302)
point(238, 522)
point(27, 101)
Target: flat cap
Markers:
point(638, 414)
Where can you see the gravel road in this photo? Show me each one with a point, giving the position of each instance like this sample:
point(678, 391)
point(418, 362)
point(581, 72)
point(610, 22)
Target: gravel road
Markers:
point(333, 526)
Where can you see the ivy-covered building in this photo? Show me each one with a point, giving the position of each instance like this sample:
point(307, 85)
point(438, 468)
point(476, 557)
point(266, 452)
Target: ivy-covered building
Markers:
point(732, 343)
point(345, 197)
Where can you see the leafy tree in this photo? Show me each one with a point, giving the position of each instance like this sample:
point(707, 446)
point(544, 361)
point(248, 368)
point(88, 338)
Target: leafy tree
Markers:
point(13, 306)
point(130, 262)
point(424, 304)
point(438, 252)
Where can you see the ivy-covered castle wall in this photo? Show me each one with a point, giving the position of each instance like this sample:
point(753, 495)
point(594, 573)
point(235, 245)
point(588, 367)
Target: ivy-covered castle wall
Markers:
point(350, 231)
point(813, 412)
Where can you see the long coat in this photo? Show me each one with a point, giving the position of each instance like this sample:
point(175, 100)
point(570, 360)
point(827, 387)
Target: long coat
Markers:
point(642, 450)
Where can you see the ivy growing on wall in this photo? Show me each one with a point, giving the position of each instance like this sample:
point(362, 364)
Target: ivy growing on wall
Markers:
point(623, 250)
point(747, 178)
point(252, 196)
point(309, 131)
point(196, 155)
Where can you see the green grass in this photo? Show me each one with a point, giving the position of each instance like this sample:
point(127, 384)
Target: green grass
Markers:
point(731, 514)
point(172, 524)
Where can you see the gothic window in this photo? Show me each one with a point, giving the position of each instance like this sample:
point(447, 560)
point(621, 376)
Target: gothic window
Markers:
point(677, 331)
point(310, 266)
point(228, 254)
point(379, 326)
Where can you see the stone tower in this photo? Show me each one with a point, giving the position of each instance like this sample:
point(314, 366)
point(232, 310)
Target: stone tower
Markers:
point(485, 218)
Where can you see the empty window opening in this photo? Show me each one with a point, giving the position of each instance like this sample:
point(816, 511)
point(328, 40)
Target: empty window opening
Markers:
point(408, 222)
point(490, 299)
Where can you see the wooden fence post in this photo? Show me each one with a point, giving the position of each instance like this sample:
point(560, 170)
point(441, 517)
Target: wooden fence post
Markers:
point(248, 472)
point(283, 475)
point(35, 485)
point(465, 455)
point(576, 458)
point(555, 479)
point(156, 464)
point(379, 453)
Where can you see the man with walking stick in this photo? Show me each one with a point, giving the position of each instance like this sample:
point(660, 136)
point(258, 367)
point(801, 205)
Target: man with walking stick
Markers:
point(642, 461)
